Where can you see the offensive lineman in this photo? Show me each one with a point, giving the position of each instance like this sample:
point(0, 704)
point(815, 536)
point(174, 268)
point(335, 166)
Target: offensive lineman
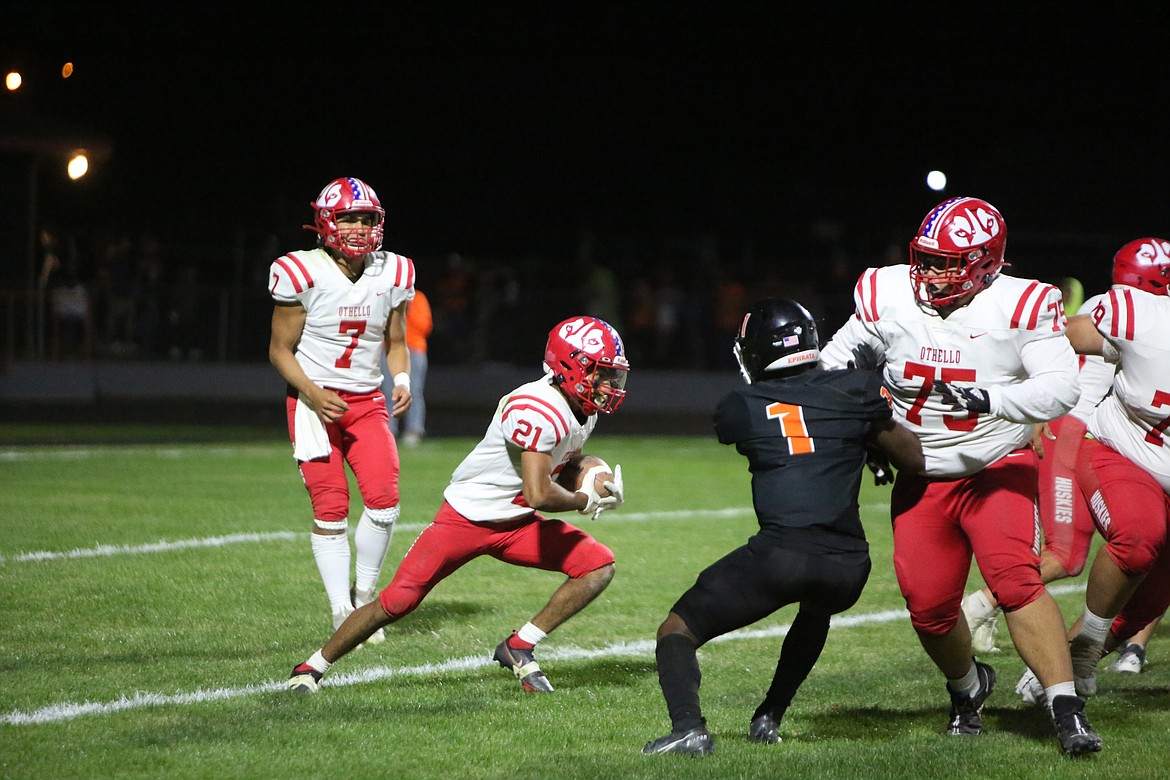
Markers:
point(337, 307)
point(805, 434)
point(496, 498)
point(973, 361)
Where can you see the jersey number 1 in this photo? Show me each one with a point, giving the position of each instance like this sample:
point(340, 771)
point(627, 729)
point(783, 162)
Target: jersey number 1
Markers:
point(791, 419)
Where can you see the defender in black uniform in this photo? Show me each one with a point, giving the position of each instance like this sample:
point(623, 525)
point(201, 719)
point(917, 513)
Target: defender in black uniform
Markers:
point(805, 434)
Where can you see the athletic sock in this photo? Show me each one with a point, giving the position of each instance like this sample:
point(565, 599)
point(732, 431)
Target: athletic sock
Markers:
point(333, 557)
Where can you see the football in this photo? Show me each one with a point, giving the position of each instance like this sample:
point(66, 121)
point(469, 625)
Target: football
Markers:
point(574, 471)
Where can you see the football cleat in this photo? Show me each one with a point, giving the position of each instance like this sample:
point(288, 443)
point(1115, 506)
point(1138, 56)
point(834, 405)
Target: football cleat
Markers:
point(1085, 656)
point(1131, 660)
point(1030, 689)
point(1076, 736)
point(967, 711)
point(340, 614)
point(360, 599)
point(304, 679)
point(765, 729)
point(692, 742)
point(984, 626)
point(522, 663)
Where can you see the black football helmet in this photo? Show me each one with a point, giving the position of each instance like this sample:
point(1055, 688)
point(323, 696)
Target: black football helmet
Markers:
point(776, 335)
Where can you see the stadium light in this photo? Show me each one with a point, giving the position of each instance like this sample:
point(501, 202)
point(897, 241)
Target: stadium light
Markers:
point(78, 164)
point(936, 180)
point(13, 81)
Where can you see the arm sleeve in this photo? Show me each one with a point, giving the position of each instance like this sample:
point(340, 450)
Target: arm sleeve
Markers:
point(1051, 389)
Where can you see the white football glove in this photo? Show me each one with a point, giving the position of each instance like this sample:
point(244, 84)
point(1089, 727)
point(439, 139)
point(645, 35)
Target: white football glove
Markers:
point(617, 495)
point(588, 488)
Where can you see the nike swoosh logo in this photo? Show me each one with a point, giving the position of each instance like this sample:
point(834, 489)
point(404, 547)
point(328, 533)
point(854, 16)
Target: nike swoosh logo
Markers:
point(381, 292)
point(977, 335)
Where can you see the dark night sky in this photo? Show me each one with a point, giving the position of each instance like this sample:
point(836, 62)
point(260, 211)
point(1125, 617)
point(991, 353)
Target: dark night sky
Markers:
point(509, 127)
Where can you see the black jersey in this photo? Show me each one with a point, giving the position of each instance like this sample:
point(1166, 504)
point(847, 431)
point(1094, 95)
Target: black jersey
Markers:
point(804, 439)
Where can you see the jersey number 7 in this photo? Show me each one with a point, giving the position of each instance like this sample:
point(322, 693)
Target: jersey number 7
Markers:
point(355, 328)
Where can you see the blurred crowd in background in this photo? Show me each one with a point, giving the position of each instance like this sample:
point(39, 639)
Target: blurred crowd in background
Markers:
point(677, 300)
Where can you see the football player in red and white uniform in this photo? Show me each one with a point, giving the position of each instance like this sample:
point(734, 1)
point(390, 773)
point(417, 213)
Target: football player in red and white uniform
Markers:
point(973, 360)
point(337, 307)
point(1124, 469)
point(497, 498)
point(1064, 515)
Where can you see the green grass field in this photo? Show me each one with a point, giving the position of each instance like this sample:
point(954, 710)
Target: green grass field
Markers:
point(156, 596)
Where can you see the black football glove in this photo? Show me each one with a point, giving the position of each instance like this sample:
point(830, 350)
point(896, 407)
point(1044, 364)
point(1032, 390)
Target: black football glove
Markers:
point(864, 358)
point(964, 399)
point(877, 462)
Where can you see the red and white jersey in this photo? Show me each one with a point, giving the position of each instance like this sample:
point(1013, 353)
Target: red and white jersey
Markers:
point(342, 343)
point(1134, 418)
point(488, 485)
point(1096, 374)
point(1009, 340)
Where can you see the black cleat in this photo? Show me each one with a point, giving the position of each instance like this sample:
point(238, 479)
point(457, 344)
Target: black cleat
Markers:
point(765, 729)
point(967, 711)
point(692, 742)
point(522, 663)
point(304, 679)
point(1076, 736)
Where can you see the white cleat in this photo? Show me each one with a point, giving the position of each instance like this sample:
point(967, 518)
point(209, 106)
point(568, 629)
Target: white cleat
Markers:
point(1030, 690)
point(1131, 660)
point(1085, 656)
point(360, 599)
point(340, 614)
point(984, 625)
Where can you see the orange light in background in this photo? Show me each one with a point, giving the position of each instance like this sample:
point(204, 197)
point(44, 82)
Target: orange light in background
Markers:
point(13, 81)
point(78, 164)
point(67, 70)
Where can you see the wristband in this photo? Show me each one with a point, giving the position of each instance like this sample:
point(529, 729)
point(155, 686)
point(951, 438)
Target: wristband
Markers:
point(402, 379)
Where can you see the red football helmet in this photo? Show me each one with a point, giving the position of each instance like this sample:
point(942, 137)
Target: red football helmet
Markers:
point(1145, 264)
point(588, 360)
point(957, 252)
point(342, 196)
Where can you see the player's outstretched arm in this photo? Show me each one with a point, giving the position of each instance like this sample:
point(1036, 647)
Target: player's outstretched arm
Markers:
point(901, 446)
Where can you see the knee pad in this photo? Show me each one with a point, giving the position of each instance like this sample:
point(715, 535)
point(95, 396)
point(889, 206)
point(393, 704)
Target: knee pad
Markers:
point(383, 518)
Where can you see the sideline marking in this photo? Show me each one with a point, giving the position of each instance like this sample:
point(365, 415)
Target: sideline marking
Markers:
point(57, 713)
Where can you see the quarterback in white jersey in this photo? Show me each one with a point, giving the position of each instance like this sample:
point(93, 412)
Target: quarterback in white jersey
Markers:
point(972, 361)
point(1124, 469)
point(496, 498)
point(346, 320)
point(337, 307)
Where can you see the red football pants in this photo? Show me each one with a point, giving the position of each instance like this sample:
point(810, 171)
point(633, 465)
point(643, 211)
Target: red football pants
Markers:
point(1132, 512)
point(1064, 515)
point(361, 438)
point(940, 524)
point(451, 540)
